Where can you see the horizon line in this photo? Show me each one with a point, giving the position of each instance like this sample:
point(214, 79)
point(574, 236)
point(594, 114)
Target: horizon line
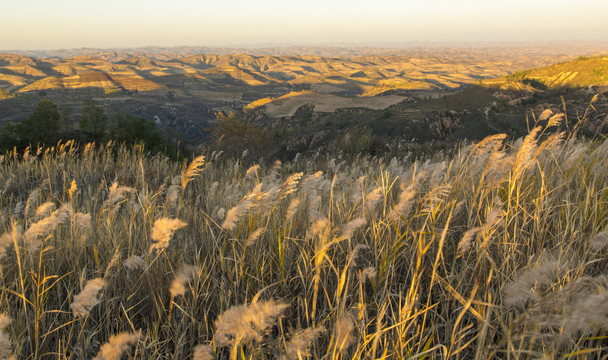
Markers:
point(388, 45)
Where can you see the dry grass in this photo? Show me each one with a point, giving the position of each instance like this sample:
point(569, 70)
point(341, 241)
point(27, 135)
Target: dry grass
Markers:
point(497, 252)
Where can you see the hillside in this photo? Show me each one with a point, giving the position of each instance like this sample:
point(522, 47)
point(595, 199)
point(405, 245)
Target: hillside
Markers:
point(358, 75)
point(494, 250)
point(308, 122)
point(583, 72)
point(182, 91)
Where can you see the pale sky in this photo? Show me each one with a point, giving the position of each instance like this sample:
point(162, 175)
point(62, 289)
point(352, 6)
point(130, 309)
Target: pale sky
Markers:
point(51, 24)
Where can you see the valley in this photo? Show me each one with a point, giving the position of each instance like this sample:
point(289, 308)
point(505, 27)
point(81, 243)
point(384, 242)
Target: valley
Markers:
point(388, 90)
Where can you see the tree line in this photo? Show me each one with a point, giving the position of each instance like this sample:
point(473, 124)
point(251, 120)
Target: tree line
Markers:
point(44, 126)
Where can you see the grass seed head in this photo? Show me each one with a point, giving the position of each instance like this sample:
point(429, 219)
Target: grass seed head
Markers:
point(178, 285)
point(87, 298)
point(297, 347)
point(244, 323)
point(44, 227)
point(5, 342)
point(117, 345)
point(134, 262)
point(202, 352)
point(163, 230)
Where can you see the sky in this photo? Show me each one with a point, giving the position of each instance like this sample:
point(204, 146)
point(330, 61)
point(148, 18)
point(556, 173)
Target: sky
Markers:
point(55, 24)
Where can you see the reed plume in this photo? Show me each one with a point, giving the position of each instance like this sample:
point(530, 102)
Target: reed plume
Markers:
point(44, 227)
point(117, 345)
point(193, 170)
point(292, 208)
point(45, 209)
point(202, 352)
point(5, 342)
point(523, 288)
point(178, 285)
point(344, 333)
point(82, 221)
point(134, 262)
point(252, 171)
point(297, 347)
point(163, 230)
point(404, 206)
point(117, 195)
point(241, 208)
point(244, 323)
point(87, 298)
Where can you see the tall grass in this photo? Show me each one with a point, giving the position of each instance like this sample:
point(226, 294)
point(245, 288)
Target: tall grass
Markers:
point(498, 251)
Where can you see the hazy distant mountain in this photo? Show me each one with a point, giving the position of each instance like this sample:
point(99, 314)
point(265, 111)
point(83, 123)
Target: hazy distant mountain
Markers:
point(490, 50)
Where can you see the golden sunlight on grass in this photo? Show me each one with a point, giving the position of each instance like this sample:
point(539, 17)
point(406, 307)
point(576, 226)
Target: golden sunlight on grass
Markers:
point(496, 251)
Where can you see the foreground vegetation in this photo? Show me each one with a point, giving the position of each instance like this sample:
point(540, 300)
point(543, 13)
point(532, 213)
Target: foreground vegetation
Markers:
point(496, 252)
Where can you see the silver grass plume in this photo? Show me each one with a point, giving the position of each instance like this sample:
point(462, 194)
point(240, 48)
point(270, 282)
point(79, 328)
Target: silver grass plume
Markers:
point(5, 342)
point(134, 262)
point(202, 352)
point(545, 115)
point(492, 218)
point(367, 273)
point(372, 199)
point(117, 195)
point(117, 345)
point(526, 154)
point(404, 206)
point(357, 191)
point(163, 230)
point(291, 209)
point(193, 170)
point(9, 238)
point(252, 171)
point(45, 209)
point(523, 288)
point(82, 221)
point(254, 236)
point(241, 208)
point(178, 285)
point(87, 298)
point(350, 227)
point(173, 192)
point(297, 347)
point(290, 185)
point(245, 323)
point(44, 227)
point(355, 254)
point(344, 332)
point(32, 199)
point(599, 241)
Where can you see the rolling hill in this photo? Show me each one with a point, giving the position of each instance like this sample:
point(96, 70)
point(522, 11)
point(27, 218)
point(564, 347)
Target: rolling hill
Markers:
point(181, 91)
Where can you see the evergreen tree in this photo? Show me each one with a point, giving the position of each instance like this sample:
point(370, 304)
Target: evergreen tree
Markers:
point(93, 119)
point(42, 126)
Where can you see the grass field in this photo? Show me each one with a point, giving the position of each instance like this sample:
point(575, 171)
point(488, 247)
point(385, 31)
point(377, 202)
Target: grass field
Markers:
point(288, 104)
point(497, 252)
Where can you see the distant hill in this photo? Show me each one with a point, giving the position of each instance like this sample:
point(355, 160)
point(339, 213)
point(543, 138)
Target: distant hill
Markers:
point(427, 93)
point(355, 75)
point(580, 73)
